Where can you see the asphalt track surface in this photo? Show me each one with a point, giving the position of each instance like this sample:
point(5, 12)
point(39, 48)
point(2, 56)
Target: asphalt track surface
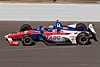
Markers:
point(41, 55)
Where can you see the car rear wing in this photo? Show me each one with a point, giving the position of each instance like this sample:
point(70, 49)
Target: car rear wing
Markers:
point(92, 31)
point(91, 28)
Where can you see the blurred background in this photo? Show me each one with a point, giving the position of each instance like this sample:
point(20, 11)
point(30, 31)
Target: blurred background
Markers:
point(66, 1)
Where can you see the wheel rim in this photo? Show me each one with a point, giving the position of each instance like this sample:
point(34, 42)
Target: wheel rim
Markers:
point(83, 39)
point(27, 40)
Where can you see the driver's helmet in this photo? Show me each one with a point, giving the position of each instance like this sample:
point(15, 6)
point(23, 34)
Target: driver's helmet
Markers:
point(51, 27)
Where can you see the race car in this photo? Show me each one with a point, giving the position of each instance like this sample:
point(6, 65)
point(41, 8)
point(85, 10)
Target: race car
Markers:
point(57, 34)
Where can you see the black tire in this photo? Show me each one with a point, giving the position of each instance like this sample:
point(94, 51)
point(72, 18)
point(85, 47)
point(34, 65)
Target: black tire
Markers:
point(83, 39)
point(81, 26)
point(25, 27)
point(27, 40)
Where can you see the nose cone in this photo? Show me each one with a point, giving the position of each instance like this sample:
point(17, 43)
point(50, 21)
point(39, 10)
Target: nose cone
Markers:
point(6, 36)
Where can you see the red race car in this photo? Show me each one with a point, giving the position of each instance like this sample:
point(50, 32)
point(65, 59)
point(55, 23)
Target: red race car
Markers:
point(53, 34)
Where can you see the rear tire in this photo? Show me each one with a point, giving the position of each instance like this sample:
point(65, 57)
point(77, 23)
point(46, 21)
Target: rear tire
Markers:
point(25, 27)
point(83, 39)
point(27, 40)
point(81, 26)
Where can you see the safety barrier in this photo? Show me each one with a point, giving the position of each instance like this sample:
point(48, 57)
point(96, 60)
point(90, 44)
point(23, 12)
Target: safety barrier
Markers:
point(49, 12)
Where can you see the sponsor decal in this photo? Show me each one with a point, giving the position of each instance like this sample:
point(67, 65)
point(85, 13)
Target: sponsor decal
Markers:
point(58, 25)
point(72, 37)
point(54, 37)
point(65, 28)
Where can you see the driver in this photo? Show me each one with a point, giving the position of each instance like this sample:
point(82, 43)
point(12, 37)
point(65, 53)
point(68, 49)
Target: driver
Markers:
point(51, 27)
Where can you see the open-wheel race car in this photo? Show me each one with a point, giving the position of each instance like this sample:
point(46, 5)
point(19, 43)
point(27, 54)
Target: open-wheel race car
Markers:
point(57, 34)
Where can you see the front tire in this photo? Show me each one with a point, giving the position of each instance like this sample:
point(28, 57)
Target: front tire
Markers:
point(83, 39)
point(27, 40)
point(25, 27)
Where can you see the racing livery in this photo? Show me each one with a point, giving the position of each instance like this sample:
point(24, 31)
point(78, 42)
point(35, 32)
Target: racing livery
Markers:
point(57, 34)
